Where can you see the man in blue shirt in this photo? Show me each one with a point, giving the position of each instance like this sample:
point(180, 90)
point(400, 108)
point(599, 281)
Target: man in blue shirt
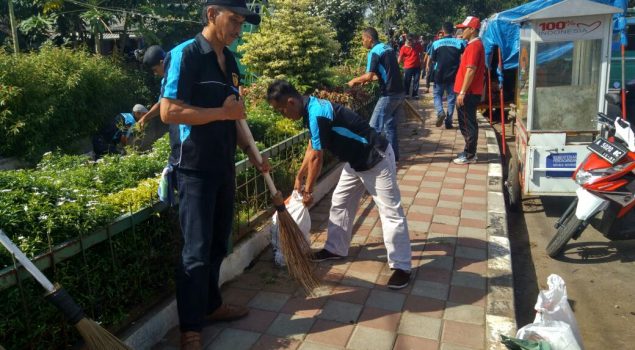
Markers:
point(115, 134)
point(445, 58)
point(153, 59)
point(200, 97)
point(382, 65)
point(370, 166)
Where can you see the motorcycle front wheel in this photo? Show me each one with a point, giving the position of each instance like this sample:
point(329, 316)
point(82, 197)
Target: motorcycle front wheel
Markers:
point(570, 226)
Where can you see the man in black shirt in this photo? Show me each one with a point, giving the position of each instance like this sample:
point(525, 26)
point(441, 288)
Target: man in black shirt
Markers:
point(370, 166)
point(382, 65)
point(200, 96)
point(445, 57)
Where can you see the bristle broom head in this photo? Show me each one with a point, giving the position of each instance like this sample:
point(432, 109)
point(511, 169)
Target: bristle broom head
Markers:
point(98, 338)
point(296, 251)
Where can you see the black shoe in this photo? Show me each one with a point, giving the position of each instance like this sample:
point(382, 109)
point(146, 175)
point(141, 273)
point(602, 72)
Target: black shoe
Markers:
point(399, 279)
point(440, 118)
point(449, 127)
point(325, 255)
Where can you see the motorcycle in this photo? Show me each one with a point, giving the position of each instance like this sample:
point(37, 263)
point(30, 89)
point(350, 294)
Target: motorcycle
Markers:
point(607, 185)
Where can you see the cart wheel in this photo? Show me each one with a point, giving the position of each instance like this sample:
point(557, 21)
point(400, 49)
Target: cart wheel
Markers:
point(512, 184)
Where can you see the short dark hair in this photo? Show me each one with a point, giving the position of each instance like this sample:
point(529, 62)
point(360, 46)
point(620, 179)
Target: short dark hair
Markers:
point(280, 90)
point(410, 37)
point(448, 28)
point(372, 33)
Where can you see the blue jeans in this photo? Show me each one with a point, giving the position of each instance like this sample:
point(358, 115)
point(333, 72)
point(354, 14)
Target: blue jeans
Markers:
point(411, 81)
point(206, 212)
point(386, 115)
point(438, 91)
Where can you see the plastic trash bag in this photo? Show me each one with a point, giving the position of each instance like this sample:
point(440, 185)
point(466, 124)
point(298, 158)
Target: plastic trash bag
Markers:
point(557, 334)
point(300, 215)
point(555, 322)
point(166, 190)
point(520, 344)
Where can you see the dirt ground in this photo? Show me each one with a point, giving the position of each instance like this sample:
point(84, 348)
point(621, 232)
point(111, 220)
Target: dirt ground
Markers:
point(600, 274)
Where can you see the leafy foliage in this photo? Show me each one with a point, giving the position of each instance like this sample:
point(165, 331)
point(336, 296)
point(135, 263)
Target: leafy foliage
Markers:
point(291, 42)
point(344, 15)
point(54, 97)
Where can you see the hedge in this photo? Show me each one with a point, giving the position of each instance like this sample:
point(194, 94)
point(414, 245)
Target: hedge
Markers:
point(51, 98)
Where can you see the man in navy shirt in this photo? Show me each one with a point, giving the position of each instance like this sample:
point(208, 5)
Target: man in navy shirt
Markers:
point(382, 65)
point(445, 57)
point(199, 95)
point(370, 166)
point(116, 133)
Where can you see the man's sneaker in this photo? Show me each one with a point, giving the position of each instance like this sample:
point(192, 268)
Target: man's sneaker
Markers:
point(440, 118)
point(464, 160)
point(325, 255)
point(399, 279)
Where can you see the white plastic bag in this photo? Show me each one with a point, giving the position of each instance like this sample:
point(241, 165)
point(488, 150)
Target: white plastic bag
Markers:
point(555, 321)
point(300, 215)
point(557, 333)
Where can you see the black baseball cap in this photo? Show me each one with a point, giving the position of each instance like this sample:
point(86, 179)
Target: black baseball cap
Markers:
point(153, 56)
point(239, 7)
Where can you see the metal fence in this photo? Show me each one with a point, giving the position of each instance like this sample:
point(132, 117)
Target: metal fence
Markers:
point(121, 270)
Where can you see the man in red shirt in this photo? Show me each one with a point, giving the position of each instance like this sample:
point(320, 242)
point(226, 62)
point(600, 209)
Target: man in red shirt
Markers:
point(469, 87)
point(410, 56)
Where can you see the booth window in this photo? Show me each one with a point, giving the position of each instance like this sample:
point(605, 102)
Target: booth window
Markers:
point(567, 83)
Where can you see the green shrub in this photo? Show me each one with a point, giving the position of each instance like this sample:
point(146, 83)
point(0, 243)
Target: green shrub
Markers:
point(291, 42)
point(51, 98)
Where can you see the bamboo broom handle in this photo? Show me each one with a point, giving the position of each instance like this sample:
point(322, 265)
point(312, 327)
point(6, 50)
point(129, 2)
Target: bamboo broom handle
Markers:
point(26, 262)
point(242, 123)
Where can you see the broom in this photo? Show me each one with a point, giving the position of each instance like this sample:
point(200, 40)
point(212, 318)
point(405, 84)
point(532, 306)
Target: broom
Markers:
point(96, 337)
point(293, 245)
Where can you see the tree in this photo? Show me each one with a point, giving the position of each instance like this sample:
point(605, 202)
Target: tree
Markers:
point(344, 15)
point(291, 42)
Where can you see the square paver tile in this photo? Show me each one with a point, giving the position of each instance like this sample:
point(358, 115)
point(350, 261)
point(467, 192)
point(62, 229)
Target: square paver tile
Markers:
point(350, 294)
point(424, 306)
point(468, 296)
point(290, 326)
point(315, 346)
point(391, 301)
point(267, 342)
point(463, 334)
point(380, 318)
point(234, 339)
point(465, 313)
point(406, 342)
point(420, 326)
point(330, 333)
point(271, 301)
point(303, 306)
point(340, 311)
point(430, 289)
point(256, 321)
point(468, 279)
point(364, 338)
point(470, 253)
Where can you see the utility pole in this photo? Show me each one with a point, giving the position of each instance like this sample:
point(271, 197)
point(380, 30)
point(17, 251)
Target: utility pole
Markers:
point(14, 28)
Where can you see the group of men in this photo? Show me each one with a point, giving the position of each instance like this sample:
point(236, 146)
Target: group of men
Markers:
point(200, 101)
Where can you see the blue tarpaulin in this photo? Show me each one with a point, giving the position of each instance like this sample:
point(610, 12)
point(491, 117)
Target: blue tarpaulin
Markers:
point(501, 31)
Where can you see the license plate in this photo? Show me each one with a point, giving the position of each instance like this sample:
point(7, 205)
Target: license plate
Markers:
point(611, 152)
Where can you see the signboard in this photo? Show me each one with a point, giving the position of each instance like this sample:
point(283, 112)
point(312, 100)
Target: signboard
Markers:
point(570, 29)
point(561, 160)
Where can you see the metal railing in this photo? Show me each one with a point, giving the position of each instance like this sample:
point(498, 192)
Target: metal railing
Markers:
point(117, 272)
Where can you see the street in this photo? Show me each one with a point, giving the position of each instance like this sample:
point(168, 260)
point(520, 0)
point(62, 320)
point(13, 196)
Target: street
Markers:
point(599, 274)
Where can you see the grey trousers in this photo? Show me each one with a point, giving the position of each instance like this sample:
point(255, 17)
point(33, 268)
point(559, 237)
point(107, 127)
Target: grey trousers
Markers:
point(381, 184)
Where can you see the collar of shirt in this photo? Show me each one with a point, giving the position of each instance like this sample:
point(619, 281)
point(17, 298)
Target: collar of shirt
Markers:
point(473, 40)
point(205, 46)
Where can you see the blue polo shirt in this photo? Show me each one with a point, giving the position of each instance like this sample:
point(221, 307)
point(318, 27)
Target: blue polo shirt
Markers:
point(446, 55)
point(193, 75)
point(343, 132)
point(382, 61)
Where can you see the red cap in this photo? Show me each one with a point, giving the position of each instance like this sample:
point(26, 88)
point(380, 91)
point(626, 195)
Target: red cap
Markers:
point(470, 22)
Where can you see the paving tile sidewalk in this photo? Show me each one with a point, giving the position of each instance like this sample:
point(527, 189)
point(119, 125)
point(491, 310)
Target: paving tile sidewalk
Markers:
point(444, 307)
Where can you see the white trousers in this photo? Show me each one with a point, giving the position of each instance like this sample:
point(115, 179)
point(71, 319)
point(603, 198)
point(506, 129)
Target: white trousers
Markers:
point(381, 184)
